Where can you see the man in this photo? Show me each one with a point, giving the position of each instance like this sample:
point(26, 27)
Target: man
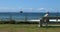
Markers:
point(41, 19)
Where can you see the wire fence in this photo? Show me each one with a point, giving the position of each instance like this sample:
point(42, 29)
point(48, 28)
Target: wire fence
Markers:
point(20, 18)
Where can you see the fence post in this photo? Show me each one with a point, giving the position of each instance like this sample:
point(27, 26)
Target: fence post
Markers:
point(26, 17)
point(41, 22)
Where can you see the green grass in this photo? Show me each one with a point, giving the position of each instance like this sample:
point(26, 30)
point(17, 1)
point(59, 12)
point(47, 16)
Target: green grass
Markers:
point(26, 28)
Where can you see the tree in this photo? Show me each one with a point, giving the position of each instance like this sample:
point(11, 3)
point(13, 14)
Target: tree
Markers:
point(21, 11)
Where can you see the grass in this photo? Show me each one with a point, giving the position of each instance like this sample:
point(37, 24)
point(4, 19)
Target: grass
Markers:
point(26, 28)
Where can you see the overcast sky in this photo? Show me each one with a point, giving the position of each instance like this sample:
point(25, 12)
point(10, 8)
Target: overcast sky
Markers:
point(29, 5)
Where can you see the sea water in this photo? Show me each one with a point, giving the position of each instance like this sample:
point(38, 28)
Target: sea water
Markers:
point(23, 16)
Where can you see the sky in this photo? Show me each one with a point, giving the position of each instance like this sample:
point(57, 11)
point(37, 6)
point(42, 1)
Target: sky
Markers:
point(29, 5)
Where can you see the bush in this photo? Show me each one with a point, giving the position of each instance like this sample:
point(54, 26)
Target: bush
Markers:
point(14, 22)
point(21, 22)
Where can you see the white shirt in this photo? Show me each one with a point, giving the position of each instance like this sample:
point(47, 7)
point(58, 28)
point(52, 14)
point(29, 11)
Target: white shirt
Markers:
point(45, 15)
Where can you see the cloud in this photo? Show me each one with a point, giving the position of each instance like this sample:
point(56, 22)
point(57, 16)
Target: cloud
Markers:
point(26, 9)
point(31, 9)
point(6, 8)
point(14, 9)
point(41, 8)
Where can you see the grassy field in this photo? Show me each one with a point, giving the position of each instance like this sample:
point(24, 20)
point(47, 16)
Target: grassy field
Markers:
point(26, 28)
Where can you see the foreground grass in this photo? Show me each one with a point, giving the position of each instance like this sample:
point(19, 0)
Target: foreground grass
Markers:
point(26, 28)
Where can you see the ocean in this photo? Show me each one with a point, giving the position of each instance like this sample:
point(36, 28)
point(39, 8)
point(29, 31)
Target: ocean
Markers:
point(22, 16)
